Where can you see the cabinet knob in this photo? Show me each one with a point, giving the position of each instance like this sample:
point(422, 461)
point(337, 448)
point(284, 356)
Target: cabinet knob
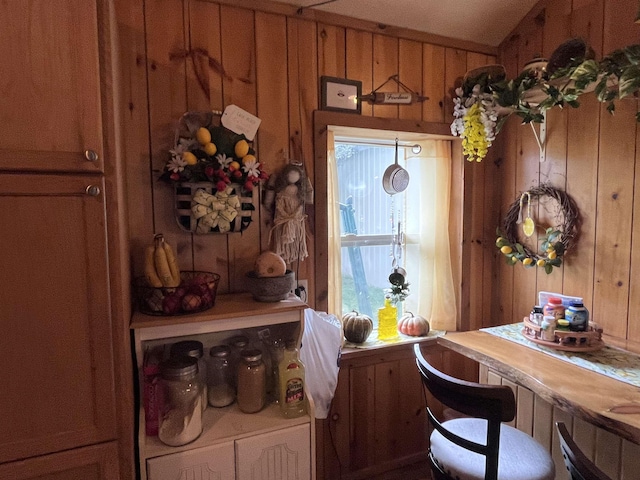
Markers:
point(335, 417)
point(93, 190)
point(91, 155)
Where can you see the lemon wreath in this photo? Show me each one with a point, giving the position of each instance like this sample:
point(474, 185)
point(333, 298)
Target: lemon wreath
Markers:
point(555, 241)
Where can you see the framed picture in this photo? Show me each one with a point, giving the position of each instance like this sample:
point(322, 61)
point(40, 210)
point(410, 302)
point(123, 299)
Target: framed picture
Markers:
point(340, 95)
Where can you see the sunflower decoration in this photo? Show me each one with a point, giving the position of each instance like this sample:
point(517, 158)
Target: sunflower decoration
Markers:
point(554, 242)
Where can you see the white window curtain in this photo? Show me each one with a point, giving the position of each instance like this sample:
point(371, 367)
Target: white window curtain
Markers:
point(428, 261)
point(428, 256)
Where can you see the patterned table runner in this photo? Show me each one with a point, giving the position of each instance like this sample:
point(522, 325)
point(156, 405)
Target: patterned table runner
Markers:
point(611, 361)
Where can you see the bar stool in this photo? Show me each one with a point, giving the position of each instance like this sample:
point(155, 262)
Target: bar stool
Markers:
point(479, 446)
point(577, 463)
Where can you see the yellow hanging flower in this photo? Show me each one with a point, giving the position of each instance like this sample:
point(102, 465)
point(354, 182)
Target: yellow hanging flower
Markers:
point(474, 141)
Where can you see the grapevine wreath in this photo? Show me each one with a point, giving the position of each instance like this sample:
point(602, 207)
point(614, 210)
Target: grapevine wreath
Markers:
point(555, 241)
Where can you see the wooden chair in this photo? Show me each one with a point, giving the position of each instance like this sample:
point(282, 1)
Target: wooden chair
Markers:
point(577, 463)
point(479, 446)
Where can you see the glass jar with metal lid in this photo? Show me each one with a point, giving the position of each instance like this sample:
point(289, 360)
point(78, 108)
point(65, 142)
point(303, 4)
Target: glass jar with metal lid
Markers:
point(221, 391)
point(252, 381)
point(181, 421)
point(195, 349)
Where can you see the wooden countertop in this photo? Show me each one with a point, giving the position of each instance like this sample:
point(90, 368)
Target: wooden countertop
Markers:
point(583, 393)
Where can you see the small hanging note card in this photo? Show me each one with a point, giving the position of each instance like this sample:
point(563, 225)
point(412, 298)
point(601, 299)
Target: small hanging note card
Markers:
point(240, 121)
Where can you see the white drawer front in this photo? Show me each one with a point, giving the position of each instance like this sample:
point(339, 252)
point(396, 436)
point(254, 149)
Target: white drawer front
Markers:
point(209, 463)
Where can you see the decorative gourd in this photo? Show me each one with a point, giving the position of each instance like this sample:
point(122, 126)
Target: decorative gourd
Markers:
point(357, 327)
point(413, 325)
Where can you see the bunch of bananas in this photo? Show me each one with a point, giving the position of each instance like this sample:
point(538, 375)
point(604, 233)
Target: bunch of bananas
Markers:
point(160, 266)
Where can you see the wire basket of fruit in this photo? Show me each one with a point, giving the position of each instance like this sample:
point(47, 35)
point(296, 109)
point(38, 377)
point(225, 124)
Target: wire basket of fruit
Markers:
point(165, 290)
point(195, 293)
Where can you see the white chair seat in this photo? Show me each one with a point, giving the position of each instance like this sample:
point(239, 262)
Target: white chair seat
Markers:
point(521, 457)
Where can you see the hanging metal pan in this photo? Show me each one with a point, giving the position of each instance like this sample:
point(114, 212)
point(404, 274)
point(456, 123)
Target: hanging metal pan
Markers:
point(396, 178)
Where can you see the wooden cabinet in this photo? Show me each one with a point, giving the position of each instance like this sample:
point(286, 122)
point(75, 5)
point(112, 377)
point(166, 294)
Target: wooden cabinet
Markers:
point(58, 387)
point(97, 462)
point(51, 108)
point(282, 454)
point(65, 408)
point(233, 445)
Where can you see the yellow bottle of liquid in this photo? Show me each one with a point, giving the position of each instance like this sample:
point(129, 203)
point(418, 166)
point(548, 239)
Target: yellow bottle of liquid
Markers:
point(387, 321)
point(291, 381)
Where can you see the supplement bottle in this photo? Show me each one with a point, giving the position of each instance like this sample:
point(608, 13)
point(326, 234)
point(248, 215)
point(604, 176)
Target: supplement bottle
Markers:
point(554, 308)
point(578, 317)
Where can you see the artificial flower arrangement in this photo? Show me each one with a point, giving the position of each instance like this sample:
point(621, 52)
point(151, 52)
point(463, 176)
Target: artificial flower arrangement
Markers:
point(486, 98)
point(215, 171)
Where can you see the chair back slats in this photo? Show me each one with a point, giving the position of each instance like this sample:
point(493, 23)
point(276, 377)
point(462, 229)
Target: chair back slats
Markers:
point(494, 403)
point(577, 463)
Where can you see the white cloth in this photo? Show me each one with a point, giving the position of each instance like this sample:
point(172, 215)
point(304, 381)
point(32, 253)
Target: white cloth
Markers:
point(521, 457)
point(320, 353)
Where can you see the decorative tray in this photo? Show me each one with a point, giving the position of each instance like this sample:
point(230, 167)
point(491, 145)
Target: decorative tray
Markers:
point(588, 341)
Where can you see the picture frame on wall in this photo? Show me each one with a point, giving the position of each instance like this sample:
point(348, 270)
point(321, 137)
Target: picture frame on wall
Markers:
point(340, 95)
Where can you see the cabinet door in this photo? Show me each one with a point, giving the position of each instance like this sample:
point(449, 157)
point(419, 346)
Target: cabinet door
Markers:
point(210, 463)
point(56, 343)
point(280, 455)
point(50, 107)
point(97, 462)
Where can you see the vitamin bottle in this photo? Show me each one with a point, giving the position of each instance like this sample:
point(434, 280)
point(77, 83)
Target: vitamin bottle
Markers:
point(387, 321)
point(291, 383)
point(554, 308)
point(578, 317)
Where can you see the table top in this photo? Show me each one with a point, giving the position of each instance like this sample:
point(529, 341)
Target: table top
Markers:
point(601, 400)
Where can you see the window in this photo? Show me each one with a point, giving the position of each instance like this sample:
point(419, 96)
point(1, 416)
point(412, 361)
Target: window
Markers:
point(371, 232)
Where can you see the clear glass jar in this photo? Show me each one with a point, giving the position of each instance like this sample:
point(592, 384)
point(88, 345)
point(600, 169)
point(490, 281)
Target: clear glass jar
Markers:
point(195, 349)
point(237, 344)
point(252, 381)
point(181, 421)
point(221, 391)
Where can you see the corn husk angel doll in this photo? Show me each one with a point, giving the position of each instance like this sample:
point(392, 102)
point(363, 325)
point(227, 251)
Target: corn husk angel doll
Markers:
point(288, 193)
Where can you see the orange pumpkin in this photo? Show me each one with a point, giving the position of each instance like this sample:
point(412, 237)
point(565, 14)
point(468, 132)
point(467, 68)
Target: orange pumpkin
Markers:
point(413, 325)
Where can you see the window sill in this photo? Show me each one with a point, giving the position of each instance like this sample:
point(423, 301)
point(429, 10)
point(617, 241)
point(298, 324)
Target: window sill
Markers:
point(373, 346)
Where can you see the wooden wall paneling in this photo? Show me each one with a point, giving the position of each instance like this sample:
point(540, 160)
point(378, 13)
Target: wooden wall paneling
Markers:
point(633, 327)
point(434, 83)
point(387, 413)
point(165, 30)
point(303, 100)
point(557, 25)
point(613, 218)
point(204, 92)
point(556, 452)
point(491, 213)
point(459, 262)
point(527, 175)
point(334, 453)
point(607, 456)
point(134, 117)
point(455, 68)
point(385, 64)
point(273, 97)
point(630, 467)
point(504, 314)
point(524, 408)
point(557, 28)
point(583, 126)
point(542, 427)
point(331, 51)
point(474, 179)
point(359, 62)
point(362, 401)
point(410, 71)
point(619, 27)
point(410, 430)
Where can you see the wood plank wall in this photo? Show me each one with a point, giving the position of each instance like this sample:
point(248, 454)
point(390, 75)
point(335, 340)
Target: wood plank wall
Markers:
point(589, 153)
point(271, 60)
